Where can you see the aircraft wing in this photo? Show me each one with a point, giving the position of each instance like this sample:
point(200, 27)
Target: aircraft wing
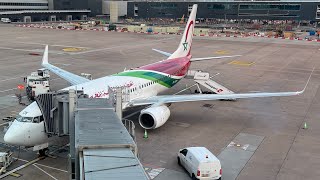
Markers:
point(196, 59)
point(68, 76)
point(158, 100)
point(205, 97)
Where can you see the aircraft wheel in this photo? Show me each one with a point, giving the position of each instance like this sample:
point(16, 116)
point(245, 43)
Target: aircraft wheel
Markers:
point(43, 152)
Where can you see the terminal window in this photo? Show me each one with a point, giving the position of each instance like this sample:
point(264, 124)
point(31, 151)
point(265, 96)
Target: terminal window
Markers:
point(163, 5)
point(23, 4)
point(222, 6)
point(287, 7)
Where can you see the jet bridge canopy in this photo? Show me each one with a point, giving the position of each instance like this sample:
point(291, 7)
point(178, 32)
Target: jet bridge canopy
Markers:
point(104, 147)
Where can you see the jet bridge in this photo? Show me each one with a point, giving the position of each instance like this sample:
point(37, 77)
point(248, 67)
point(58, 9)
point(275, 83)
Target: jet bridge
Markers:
point(55, 110)
point(102, 145)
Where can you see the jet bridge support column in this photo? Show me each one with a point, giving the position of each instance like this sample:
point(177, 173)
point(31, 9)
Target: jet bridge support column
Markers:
point(119, 102)
point(73, 164)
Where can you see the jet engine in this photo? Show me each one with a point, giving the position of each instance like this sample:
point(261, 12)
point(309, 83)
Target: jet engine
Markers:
point(154, 117)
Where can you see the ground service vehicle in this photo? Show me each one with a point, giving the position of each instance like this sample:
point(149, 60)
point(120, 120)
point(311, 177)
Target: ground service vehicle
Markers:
point(200, 163)
point(37, 83)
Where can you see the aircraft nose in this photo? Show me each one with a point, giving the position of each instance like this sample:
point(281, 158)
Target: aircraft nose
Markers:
point(13, 134)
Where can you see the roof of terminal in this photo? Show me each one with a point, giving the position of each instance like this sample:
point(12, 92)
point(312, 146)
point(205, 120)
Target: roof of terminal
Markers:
point(213, 1)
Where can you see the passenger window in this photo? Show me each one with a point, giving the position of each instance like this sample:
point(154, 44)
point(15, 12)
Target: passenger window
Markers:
point(184, 152)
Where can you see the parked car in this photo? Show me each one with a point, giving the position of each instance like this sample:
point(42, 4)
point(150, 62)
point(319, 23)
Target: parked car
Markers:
point(200, 163)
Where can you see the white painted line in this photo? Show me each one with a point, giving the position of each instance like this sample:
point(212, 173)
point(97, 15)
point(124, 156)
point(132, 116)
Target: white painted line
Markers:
point(136, 45)
point(55, 79)
point(11, 78)
point(8, 90)
point(28, 50)
point(6, 48)
point(55, 45)
point(45, 172)
point(155, 172)
point(43, 165)
point(4, 123)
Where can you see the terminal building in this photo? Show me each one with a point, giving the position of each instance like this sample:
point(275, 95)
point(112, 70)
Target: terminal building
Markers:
point(66, 10)
point(227, 9)
point(43, 10)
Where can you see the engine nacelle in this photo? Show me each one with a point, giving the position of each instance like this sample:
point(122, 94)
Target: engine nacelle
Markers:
point(154, 117)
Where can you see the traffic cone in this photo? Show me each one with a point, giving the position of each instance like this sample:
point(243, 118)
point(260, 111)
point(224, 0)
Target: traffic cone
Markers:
point(305, 126)
point(145, 134)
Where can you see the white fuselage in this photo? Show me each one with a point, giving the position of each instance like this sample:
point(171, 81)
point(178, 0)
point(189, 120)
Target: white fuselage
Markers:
point(33, 133)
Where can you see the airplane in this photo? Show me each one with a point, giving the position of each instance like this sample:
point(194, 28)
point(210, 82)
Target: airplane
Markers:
point(143, 84)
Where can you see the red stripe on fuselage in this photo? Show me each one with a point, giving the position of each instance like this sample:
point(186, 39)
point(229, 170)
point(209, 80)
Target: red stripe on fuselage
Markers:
point(176, 67)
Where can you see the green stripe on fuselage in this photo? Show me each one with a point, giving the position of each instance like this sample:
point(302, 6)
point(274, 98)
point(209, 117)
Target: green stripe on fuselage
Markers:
point(152, 76)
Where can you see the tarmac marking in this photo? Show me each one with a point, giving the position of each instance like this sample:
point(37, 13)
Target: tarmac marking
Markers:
point(73, 49)
point(121, 46)
point(27, 50)
point(4, 123)
point(44, 165)
point(45, 172)
point(8, 90)
point(21, 167)
point(221, 52)
point(6, 48)
point(241, 63)
point(155, 172)
point(180, 124)
point(55, 45)
point(11, 78)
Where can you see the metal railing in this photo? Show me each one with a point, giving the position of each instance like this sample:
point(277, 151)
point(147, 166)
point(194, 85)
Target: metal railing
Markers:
point(130, 127)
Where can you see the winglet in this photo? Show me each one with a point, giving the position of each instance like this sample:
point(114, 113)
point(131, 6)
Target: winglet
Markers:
point(307, 81)
point(45, 56)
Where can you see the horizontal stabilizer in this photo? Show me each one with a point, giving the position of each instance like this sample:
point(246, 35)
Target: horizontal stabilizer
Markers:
point(210, 58)
point(162, 52)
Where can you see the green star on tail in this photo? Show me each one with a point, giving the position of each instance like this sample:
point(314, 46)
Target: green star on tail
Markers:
point(185, 46)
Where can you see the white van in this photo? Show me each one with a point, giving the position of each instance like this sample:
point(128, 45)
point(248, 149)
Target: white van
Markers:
point(5, 20)
point(200, 163)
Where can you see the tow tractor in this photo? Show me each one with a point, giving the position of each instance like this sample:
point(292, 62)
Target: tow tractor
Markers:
point(5, 161)
point(37, 83)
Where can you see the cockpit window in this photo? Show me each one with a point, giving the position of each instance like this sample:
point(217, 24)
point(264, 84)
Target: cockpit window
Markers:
point(36, 120)
point(24, 119)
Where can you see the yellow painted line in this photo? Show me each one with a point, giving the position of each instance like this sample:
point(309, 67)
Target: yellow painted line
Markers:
point(20, 167)
point(221, 52)
point(73, 49)
point(13, 174)
point(241, 63)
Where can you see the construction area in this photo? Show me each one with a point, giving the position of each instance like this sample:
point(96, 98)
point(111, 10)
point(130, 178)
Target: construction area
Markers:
point(259, 138)
point(293, 30)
